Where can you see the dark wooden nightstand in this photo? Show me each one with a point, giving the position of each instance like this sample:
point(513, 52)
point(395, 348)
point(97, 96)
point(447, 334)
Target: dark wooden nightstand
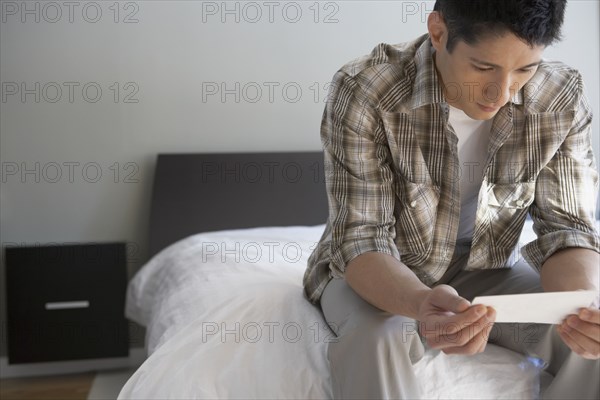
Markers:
point(66, 302)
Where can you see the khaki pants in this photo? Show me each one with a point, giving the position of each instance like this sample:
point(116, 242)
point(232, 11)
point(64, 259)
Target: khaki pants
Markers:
point(374, 352)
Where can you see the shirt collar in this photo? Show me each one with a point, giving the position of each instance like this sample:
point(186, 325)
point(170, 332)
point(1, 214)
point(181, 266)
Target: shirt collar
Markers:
point(427, 88)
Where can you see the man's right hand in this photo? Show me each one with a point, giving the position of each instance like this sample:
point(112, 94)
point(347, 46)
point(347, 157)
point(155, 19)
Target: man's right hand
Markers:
point(448, 322)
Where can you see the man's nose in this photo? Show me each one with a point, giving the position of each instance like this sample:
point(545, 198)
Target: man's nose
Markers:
point(498, 93)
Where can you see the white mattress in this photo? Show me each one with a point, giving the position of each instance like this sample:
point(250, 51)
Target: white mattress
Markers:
point(226, 318)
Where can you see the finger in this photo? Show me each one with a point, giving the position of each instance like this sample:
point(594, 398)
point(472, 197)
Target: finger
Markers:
point(587, 344)
point(476, 344)
point(491, 317)
point(472, 347)
point(570, 342)
point(478, 331)
point(586, 328)
point(449, 328)
point(591, 315)
point(486, 335)
point(458, 322)
point(468, 349)
point(573, 345)
point(445, 340)
point(481, 329)
point(457, 351)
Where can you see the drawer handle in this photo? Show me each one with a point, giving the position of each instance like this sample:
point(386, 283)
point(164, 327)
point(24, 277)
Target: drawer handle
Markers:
point(63, 305)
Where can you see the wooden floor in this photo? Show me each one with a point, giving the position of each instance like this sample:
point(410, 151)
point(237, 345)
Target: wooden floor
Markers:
point(63, 387)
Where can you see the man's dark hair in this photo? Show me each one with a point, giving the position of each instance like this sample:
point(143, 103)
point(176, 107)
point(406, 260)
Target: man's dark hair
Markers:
point(537, 22)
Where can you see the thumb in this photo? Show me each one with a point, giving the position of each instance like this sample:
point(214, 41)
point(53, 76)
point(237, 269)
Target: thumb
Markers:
point(446, 297)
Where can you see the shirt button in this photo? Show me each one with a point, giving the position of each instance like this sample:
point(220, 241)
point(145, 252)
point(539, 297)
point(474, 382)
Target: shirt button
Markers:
point(413, 204)
point(519, 203)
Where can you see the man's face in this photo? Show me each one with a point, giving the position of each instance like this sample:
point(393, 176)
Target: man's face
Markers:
point(480, 79)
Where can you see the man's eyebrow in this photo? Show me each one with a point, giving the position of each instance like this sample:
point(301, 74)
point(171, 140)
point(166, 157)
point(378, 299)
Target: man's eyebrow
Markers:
point(488, 64)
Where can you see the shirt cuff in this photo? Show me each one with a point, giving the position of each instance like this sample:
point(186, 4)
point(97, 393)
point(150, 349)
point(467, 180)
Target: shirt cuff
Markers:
point(538, 251)
point(351, 249)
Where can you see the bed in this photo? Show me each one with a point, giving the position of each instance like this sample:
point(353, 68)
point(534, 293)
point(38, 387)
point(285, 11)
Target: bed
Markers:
point(221, 296)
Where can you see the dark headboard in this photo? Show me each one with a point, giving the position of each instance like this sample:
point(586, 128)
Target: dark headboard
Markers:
point(195, 193)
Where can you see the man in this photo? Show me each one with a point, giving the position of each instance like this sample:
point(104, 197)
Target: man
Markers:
point(436, 150)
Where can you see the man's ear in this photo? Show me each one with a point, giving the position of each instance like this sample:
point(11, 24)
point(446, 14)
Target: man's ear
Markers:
point(438, 32)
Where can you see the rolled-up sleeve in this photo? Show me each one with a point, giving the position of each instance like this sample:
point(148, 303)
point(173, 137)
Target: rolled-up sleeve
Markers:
point(359, 175)
point(566, 191)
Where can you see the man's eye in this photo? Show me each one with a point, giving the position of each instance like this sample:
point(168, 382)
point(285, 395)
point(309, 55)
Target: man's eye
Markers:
point(481, 69)
point(526, 71)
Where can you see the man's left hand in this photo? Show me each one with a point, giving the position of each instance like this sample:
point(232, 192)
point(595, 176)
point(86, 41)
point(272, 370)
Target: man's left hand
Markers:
point(581, 333)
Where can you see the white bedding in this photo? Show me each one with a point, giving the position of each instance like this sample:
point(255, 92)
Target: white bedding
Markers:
point(226, 318)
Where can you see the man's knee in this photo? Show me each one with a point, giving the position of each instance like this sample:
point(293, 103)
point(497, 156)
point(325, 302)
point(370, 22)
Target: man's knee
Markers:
point(358, 324)
point(382, 335)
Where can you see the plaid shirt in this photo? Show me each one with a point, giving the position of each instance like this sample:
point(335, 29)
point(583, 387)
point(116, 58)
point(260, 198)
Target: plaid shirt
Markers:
point(392, 170)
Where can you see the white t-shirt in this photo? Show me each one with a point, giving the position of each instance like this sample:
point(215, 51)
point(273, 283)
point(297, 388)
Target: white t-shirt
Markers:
point(473, 139)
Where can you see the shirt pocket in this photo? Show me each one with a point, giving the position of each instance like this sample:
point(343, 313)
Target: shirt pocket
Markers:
point(416, 212)
point(511, 195)
point(508, 205)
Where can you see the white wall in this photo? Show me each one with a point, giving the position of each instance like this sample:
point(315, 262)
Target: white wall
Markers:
point(164, 60)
